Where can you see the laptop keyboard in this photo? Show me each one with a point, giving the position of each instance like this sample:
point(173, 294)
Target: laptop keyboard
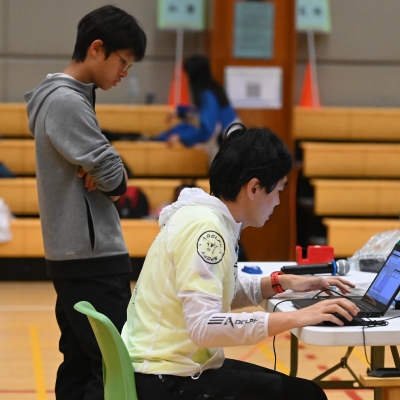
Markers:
point(363, 307)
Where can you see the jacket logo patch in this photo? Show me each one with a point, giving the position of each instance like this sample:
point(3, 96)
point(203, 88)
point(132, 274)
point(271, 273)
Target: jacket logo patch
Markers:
point(211, 247)
point(220, 320)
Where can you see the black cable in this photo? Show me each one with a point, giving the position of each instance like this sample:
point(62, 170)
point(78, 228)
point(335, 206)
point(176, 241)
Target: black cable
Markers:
point(369, 323)
point(364, 345)
point(273, 341)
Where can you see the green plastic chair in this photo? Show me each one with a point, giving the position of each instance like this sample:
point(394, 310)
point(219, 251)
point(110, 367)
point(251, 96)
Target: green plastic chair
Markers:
point(118, 375)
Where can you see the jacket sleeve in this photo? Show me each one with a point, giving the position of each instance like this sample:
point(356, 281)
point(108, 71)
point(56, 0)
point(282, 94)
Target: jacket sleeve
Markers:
point(200, 288)
point(248, 292)
point(72, 128)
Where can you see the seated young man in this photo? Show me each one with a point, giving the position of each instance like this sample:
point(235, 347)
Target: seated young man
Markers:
point(180, 317)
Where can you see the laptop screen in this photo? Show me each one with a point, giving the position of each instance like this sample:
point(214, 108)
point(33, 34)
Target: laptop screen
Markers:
point(386, 284)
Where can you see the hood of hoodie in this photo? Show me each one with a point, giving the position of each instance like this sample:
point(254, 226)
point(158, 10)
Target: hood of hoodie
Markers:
point(198, 197)
point(37, 96)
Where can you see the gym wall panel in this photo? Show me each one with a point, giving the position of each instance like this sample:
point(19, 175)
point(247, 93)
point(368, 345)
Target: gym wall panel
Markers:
point(160, 43)
point(25, 74)
point(3, 24)
point(2, 79)
point(357, 61)
point(39, 38)
point(44, 28)
point(362, 30)
point(354, 85)
point(150, 76)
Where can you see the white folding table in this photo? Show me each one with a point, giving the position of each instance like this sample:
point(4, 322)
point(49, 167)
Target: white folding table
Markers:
point(350, 336)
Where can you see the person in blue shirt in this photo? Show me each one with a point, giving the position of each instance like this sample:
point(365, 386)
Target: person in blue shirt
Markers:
point(212, 108)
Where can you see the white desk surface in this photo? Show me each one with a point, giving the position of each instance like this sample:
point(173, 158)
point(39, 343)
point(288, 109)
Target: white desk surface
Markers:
point(336, 336)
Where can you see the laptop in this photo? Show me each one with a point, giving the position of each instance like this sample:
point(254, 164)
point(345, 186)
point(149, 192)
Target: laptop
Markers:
point(380, 294)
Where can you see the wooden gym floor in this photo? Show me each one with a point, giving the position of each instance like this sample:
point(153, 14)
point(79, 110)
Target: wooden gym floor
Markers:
point(29, 354)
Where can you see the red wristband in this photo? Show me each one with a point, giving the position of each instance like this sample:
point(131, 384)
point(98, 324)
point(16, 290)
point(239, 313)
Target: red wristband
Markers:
point(275, 282)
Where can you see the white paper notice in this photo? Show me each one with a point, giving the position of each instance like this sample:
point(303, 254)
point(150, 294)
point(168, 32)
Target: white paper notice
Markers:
point(254, 87)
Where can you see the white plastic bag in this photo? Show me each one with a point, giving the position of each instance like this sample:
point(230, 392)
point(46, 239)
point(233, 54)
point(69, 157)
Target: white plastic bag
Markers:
point(374, 253)
point(5, 216)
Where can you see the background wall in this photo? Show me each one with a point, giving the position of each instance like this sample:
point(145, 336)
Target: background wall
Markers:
point(37, 37)
point(358, 63)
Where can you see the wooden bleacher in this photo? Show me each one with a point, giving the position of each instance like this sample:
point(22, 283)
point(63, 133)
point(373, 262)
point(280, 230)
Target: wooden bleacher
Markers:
point(27, 237)
point(347, 235)
point(322, 132)
point(351, 156)
point(203, 184)
point(347, 124)
point(356, 197)
point(323, 123)
point(360, 160)
point(18, 155)
point(21, 196)
point(158, 159)
point(143, 158)
point(14, 120)
point(121, 118)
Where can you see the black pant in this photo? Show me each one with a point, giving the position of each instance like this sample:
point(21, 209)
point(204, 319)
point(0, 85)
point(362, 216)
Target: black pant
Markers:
point(80, 376)
point(235, 380)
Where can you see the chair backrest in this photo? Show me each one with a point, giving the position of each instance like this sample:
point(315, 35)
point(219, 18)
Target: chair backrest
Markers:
point(118, 374)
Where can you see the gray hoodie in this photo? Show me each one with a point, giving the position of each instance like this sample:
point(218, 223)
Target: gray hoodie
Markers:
point(81, 230)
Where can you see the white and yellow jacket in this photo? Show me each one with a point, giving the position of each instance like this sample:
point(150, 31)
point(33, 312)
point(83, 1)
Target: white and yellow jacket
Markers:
point(180, 315)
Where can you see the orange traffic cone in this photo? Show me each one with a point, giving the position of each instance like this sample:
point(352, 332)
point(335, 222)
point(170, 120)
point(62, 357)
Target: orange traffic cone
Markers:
point(309, 94)
point(183, 99)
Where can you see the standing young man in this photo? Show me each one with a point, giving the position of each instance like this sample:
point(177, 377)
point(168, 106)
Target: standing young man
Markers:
point(179, 317)
point(85, 252)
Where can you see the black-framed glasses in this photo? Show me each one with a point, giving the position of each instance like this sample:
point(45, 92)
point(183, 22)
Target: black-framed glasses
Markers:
point(127, 65)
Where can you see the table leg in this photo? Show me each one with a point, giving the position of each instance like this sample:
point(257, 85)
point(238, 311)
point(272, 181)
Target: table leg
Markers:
point(294, 354)
point(355, 383)
point(377, 357)
point(377, 361)
point(395, 355)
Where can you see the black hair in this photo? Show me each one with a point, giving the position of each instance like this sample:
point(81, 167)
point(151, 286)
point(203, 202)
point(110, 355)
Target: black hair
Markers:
point(199, 73)
point(246, 154)
point(117, 29)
